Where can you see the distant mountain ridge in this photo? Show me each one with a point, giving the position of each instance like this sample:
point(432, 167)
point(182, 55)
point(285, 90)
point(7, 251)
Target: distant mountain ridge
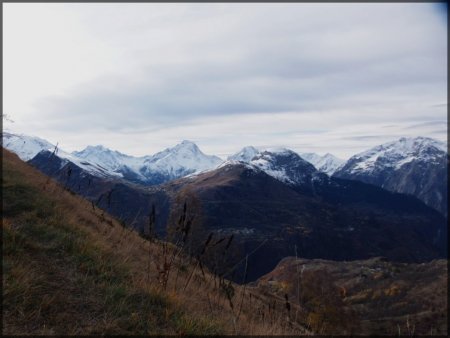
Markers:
point(284, 165)
point(171, 163)
point(416, 166)
point(327, 163)
point(246, 154)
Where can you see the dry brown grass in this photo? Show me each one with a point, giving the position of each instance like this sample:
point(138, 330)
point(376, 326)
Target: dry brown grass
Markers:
point(70, 268)
point(366, 297)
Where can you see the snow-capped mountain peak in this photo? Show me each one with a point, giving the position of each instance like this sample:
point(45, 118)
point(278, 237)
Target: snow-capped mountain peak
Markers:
point(421, 143)
point(187, 146)
point(246, 154)
point(416, 166)
point(281, 163)
point(175, 162)
point(180, 160)
point(96, 150)
point(285, 165)
point(100, 155)
point(278, 150)
point(188, 143)
point(397, 153)
point(327, 163)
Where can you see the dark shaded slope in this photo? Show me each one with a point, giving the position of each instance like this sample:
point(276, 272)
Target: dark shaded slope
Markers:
point(335, 219)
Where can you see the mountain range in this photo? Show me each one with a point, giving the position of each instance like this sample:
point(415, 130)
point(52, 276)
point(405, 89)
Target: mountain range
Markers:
point(272, 201)
point(178, 161)
point(327, 163)
point(374, 166)
point(415, 166)
point(420, 162)
point(183, 159)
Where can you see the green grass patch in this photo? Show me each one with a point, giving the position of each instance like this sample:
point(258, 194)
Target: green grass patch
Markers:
point(16, 199)
point(194, 326)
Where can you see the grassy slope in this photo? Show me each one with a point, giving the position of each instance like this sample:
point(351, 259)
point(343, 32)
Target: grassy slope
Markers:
point(69, 269)
point(61, 274)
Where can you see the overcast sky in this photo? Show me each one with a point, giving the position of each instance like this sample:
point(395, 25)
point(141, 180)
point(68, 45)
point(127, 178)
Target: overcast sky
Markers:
point(138, 78)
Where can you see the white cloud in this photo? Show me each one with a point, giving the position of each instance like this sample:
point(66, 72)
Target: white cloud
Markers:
point(139, 77)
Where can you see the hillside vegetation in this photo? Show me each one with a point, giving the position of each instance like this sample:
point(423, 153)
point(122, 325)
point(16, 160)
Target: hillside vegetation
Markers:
point(70, 268)
point(372, 296)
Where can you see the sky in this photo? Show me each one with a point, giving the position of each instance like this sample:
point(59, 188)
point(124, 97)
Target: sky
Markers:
point(138, 78)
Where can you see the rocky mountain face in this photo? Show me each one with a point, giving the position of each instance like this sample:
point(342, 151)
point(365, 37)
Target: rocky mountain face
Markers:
point(415, 166)
point(285, 166)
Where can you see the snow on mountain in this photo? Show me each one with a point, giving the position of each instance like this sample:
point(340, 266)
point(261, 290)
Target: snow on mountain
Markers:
point(374, 166)
point(183, 159)
point(94, 168)
point(284, 165)
point(112, 161)
point(281, 163)
point(104, 156)
point(327, 163)
point(416, 166)
point(246, 154)
point(180, 160)
point(26, 147)
point(397, 153)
